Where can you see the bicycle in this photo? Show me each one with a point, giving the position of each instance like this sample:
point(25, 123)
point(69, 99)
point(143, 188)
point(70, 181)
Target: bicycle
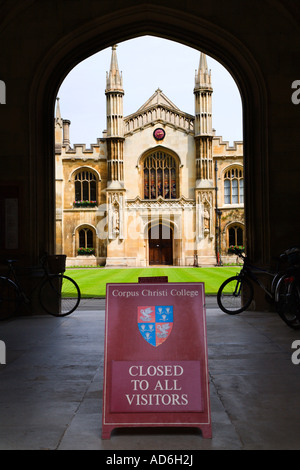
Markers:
point(58, 295)
point(236, 293)
point(287, 294)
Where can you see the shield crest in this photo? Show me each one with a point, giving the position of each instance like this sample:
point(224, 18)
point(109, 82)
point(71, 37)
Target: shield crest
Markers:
point(155, 323)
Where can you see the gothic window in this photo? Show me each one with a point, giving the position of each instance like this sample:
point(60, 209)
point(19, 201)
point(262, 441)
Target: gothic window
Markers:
point(86, 241)
point(86, 238)
point(160, 176)
point(235, 235)
point(85, 186)
point(234, 186)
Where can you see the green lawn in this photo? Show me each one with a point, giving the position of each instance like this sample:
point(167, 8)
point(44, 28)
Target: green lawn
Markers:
point(92, 282)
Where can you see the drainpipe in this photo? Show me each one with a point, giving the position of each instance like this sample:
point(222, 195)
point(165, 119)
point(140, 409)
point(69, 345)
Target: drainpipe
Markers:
point(218, 221)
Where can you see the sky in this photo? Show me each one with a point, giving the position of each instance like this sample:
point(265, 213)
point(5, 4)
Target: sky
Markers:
point(146, 63)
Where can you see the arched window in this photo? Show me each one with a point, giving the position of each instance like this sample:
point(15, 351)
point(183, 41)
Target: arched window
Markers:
point(86, 238)
point(86, 241)
point(85, 186)
point(234, 186)
point(235, 235)
point(160, 176)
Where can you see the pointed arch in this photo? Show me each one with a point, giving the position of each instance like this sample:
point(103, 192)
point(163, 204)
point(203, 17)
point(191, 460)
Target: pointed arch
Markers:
point(177, 25)
point(84, 168)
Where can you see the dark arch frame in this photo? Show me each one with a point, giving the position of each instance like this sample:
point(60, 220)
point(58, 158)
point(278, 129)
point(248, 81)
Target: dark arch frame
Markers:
point(164, 22)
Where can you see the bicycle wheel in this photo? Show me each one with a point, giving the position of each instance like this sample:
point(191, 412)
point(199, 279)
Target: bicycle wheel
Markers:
point(59, 295)
point(235, 295)
point(288, 301)
point(9, 298)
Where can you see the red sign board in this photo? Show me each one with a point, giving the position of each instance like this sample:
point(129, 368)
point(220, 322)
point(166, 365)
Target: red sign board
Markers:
point(155, 358)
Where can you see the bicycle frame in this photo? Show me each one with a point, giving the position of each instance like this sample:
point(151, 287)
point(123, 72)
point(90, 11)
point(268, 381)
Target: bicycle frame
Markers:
point(240, 293)
point(13, 277)
point(291, 275)
point(248, 271)
point(57, 294)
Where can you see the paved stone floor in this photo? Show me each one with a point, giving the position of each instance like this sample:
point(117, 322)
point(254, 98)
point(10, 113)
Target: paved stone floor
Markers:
point(51, 385)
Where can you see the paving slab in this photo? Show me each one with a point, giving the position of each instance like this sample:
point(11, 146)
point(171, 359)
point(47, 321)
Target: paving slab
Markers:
point(51, 386)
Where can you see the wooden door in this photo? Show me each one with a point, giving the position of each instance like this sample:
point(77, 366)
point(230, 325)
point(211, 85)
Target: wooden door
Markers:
point(160, 245)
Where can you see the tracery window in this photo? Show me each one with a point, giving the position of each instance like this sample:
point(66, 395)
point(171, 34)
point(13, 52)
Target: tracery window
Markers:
point(85, 241)
point(235, 235)
point(85, 186)
point(86, 238)
point(160, 176)
point(234, 186)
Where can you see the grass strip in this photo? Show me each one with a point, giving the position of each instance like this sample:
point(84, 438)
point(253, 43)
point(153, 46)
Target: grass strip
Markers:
point(92, 281)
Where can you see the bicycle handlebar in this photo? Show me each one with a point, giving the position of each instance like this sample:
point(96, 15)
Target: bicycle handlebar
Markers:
point(291, 256)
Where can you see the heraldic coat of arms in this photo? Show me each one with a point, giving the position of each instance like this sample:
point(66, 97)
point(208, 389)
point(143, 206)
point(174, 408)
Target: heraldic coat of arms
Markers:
point(155, 323)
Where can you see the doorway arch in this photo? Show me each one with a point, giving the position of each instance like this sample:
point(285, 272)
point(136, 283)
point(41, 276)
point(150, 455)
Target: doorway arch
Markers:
point(165, 22)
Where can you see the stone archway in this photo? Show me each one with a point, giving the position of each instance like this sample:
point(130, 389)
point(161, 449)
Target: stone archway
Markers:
point(131, 22)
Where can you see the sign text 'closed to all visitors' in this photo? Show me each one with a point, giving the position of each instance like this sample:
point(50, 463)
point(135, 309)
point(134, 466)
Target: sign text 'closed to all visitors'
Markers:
point(155, 358)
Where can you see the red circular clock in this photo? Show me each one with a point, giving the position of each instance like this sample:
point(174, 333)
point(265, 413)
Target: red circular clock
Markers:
point(159, 134)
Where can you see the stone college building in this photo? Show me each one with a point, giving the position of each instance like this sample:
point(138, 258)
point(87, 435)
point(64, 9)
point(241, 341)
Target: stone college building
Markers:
point(158, 188)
